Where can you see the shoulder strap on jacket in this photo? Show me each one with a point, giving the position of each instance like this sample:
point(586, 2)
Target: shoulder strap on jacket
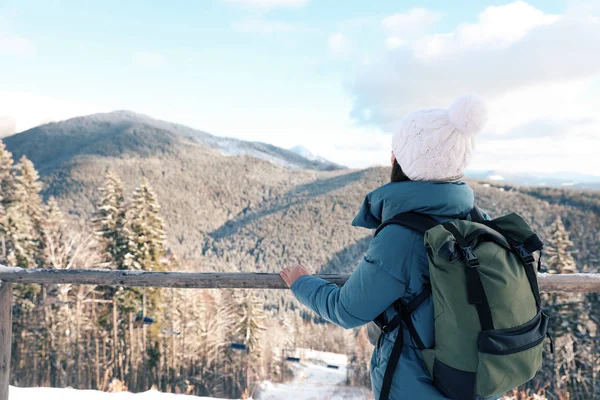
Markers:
point(411, 220)
point(476, 215)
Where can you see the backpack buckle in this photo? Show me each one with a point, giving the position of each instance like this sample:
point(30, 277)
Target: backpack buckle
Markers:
point(469, 256)
point(525, 255)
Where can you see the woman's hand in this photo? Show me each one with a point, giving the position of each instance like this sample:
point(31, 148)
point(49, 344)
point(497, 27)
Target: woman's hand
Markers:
point(290, 274)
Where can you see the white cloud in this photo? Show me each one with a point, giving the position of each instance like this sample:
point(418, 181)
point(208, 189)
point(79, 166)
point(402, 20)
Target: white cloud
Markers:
point(16, 45)
point(431, 71)
point(548, 156)
point(339, 44)
point(394, 42)
point(8, 126)
point(414, 22)
point(535, 70)
point(27, 110)
point(499, 26)
point(268, 4)
point(148, 59)
point(263, 26)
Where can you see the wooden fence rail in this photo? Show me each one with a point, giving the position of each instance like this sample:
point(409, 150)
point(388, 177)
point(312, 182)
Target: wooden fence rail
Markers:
point(567, 283)
point(572, 283)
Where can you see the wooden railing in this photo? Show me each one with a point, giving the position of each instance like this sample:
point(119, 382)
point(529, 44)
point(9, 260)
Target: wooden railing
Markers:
point(572, 283)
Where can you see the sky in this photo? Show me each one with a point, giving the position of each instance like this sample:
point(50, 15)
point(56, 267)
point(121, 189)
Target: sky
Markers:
point(335, 77)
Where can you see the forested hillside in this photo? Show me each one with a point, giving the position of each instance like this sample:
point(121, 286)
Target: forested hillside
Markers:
point(209, 211)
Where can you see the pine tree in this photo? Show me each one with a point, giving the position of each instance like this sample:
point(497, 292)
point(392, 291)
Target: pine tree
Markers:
point(250, 329)
point(6, 189)
point(7, 178)
point(560, 259)
point(144, 235)
point(110, 221)
point(28, 188)
point(250, 326)
point(146, 232)
point(56, 244)
point(24, 216)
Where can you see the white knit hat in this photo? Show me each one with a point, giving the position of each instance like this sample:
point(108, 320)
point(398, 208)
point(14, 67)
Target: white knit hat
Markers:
point(436, 144)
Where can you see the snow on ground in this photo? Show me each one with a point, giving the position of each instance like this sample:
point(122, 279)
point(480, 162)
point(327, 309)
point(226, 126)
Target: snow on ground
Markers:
point(312, 380)
point(16, 393)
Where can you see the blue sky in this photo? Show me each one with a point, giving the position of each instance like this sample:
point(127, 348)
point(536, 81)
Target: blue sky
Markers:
point(333, 78)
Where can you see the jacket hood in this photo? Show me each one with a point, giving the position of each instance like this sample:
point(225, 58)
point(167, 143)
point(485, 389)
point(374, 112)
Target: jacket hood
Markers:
point(441, 199)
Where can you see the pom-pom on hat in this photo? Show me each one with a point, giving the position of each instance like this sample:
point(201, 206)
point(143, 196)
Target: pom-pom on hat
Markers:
point(436, 144)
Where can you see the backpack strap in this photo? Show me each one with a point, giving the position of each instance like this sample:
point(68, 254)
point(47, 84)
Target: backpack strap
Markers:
point(411, 220)
point(404, 311)
point(386, 386)
point(417, 222)
point(476, 215)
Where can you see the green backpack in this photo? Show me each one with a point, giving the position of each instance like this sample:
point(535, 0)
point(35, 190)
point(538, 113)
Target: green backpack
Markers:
point(489, 325)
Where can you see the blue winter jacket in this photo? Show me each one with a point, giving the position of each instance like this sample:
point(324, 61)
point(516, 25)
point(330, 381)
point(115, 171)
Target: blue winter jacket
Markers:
point(394, 266)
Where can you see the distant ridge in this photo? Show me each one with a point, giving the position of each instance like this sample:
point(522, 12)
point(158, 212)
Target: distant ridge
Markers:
point(138, 133)
point(564, 179)
point(306, 153)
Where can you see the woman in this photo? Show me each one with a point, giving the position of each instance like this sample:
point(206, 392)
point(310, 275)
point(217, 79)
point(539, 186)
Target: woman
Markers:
point(430, 152)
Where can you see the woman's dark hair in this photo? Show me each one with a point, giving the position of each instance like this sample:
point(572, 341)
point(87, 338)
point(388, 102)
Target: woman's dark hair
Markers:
point(397, 174)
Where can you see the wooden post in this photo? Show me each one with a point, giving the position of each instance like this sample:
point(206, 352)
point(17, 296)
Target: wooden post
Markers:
point(5, 337)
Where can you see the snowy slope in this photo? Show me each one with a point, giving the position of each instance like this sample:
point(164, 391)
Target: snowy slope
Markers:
point(313, 380)
point(306, 153)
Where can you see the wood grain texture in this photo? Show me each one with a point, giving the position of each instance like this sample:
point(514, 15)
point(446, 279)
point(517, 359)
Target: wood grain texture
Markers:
point(568, 283)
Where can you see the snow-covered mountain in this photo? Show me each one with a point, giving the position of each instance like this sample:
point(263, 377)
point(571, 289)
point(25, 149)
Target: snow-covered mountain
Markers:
point(309, 155)
point(147, 133)
point(564, 179)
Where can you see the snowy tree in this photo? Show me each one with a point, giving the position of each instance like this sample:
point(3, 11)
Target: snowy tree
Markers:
point(250, 328)
point(251, 318)
point(60, 247)
point(146, 232)
point(28, 188)
point(109, 221)
point(560, 259)
point(24, 216)
point(7, 179)
point(12, 240)
point(145, 237)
